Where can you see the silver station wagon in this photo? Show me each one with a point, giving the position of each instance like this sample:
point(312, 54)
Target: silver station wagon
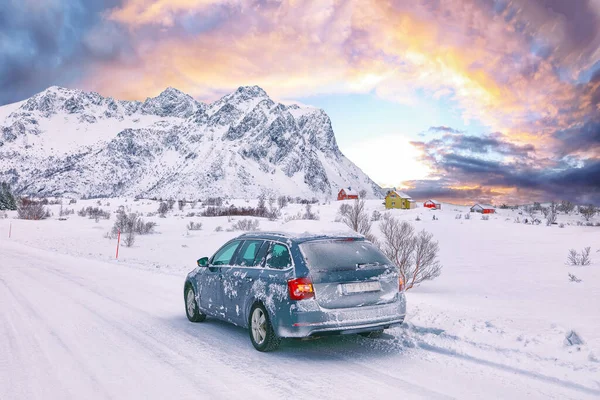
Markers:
point(279, 285)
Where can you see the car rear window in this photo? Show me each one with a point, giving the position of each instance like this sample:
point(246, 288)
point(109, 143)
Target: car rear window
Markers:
point(342, 254)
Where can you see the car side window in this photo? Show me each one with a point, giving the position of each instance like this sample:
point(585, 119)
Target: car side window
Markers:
point(279, 257)
point(248, 252)
point(225, 254)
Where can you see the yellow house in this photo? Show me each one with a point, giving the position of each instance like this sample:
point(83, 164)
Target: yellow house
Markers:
point(401, 200)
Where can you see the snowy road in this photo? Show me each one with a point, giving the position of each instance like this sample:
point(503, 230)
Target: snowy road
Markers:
point(76, 328)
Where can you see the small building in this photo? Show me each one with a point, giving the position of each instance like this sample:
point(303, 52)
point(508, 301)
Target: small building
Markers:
point(347, 194)
point(436, 205)
point(483, 209)
point(395, 199)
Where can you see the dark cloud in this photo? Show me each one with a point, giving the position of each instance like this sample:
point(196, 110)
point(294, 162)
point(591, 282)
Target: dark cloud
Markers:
point(53, 44)
point(480, 164)
point(442, 128)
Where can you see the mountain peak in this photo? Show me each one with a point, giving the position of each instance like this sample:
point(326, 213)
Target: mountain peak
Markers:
point(171, 91)
point(251, 92)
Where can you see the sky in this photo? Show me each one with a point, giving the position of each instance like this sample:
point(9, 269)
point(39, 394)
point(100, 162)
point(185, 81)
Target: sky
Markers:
point(458, 100)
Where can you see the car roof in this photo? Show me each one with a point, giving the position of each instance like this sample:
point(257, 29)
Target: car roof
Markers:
point(299, 237)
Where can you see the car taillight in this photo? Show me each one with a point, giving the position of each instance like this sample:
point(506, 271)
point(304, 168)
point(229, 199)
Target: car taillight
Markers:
point(400, 284)
point(300, 289)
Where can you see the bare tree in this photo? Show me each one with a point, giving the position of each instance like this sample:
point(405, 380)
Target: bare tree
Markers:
point(129, 238)
point(566, 206)
point(357, 219)
point(416, 255)
point(587, 212)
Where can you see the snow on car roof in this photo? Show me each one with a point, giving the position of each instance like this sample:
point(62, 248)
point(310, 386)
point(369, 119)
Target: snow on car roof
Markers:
point(302, 236)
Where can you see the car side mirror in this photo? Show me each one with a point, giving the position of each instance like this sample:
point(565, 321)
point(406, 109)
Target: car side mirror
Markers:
point(203, 262)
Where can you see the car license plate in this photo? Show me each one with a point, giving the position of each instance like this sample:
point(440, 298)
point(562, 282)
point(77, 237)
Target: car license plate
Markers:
point(361, 287)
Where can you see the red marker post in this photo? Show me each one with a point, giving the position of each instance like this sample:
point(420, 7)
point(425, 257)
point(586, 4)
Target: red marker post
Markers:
point(118, 242)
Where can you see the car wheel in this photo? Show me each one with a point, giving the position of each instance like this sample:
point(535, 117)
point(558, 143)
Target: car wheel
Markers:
point(372, 334)
point(262, 335)
point(191, 306)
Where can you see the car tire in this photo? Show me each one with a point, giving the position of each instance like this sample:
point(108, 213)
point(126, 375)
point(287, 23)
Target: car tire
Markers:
point(191, 306)
point(372, 334)
point(262, 335)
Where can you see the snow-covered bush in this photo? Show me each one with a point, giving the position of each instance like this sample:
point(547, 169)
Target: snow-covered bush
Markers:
point(574, 258)
point(65, 211)
point(245, 225)
point(550, 212)
point(194, 226)
point(31, 209)
point(415, 254)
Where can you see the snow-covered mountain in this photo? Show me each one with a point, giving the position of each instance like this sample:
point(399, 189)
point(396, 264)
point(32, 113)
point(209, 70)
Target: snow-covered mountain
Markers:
point(68, 142)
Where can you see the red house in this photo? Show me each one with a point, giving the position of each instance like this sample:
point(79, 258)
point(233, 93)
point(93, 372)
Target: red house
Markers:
point(483, 209)
point(347, 194)
point(433, 204)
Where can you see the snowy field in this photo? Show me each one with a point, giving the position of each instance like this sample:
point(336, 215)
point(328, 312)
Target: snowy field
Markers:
point(76, 323)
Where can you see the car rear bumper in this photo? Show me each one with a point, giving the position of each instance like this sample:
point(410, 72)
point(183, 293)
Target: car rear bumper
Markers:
point(307, 318)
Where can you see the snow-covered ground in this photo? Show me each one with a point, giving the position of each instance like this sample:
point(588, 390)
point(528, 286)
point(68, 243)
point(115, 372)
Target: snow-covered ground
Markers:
point(76, 323)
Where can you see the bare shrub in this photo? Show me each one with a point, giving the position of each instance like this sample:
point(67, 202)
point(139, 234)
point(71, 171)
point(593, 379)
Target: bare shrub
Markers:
point(246, 225)
point(573, 278)
point(467, 216)
point(362, 194)
point(93, 213)
point(587, 212)
point(416, 255)
point(282, 201)
point(170, 203)
point(65, 211)
point(181, 204)
point(130, 225)
point(219, 229)
point(163, 209)
point(561, 225)
point(375, 216)
point(309, 214)
point(194, 226)
point(213, 201)
point(458, 216)
point(574, 258)
point(584, 258)
point(31, 209)
point(72, 201)
point(485, 217)
point(129, 238)
point(418, 218)
point(193, 204)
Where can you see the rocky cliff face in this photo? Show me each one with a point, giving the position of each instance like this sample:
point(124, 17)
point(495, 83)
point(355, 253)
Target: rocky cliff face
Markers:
point(69, 142)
